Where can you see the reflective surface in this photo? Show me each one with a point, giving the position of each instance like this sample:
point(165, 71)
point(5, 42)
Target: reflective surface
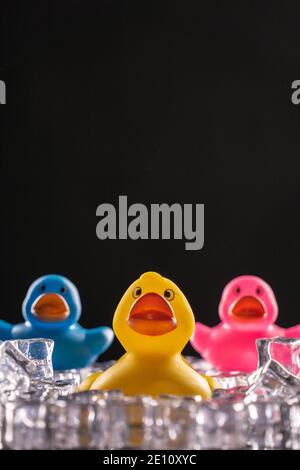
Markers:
point(42, 410)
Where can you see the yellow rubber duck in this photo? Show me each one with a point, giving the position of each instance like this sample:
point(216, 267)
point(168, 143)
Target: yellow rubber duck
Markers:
point(153, 322)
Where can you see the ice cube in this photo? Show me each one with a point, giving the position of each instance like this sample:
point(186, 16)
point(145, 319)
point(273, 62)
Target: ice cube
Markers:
point(117, 431)
point(63, 388)
point(29, 359)
point(294, 422)
point(285, 351)
point(13, 374)
point(277, 373)
point(269, 424)
point(232, 379)
point(1, 424)
point(221, 424)
point(72, 425)
point(174, 422)
point(88, 421)
point(70, 374)
point(38, 353)
point(139, 418)
point(26, 425)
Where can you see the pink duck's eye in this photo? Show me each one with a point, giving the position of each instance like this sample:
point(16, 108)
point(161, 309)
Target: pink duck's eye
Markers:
point(237, 290)
point(259, 291)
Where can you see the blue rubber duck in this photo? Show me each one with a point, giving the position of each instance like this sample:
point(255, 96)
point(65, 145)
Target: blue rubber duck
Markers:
point(51, 309)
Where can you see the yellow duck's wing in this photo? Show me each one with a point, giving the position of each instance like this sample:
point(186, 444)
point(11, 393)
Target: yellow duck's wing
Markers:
point(88, 382)
point(212, 382)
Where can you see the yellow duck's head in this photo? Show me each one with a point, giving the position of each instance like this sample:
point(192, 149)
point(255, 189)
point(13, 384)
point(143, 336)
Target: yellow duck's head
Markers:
point(153, 317)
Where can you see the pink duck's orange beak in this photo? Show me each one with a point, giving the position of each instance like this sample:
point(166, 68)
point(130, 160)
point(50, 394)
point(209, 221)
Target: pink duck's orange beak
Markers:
point(248, 308)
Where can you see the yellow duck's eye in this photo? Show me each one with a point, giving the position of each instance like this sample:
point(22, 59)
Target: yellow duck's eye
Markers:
point(137, 292)
point(169, 294)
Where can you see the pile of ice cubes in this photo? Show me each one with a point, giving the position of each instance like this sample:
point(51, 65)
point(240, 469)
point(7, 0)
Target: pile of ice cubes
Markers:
point(40, 408)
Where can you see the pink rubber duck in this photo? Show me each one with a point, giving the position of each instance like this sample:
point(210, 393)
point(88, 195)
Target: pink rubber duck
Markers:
point(248, 311)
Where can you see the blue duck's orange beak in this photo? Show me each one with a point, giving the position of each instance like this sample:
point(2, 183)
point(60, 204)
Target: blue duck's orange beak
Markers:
point(248, 308)
point(50, 307)
point(152, 315)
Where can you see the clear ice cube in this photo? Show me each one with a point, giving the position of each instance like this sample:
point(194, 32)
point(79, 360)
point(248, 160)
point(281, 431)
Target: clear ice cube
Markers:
point(24, 360)
point(232, 379)
point(294, 423)
point(88, 421)
point(13, 374)
point(73, 425)
point(26, 426)
point(117, 431)
point(284, 351)
point(139, 418)
point(269, 426)
point(174, 423)
point(277, 373)
point(221, 424)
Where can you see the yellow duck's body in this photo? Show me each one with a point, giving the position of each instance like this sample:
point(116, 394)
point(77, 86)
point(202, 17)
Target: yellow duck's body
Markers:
point(153, 321)
point(152, 376)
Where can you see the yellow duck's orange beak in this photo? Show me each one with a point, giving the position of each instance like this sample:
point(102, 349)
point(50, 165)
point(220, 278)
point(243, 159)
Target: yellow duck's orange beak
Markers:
point(50, 307)
point(248, 308)
point(152, 315)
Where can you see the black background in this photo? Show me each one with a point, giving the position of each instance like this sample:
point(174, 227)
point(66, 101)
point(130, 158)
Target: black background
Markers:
point(163, 102)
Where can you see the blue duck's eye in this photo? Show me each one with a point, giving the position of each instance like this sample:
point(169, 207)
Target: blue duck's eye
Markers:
point(42, 287)
point(63, 290)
